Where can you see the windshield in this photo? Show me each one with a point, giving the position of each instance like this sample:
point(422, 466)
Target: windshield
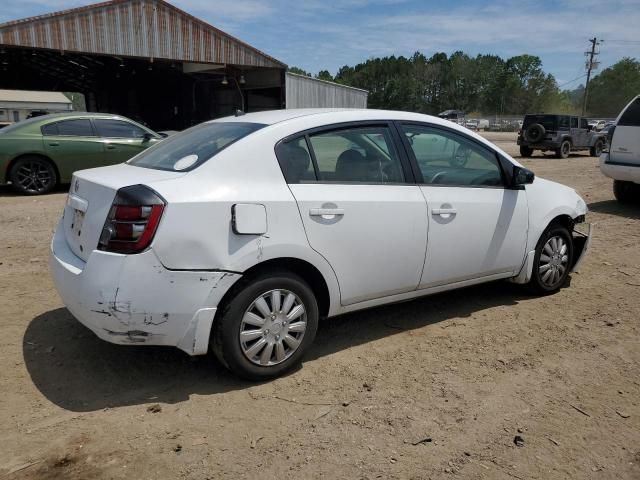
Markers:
point(191, 148)
point(549, 122)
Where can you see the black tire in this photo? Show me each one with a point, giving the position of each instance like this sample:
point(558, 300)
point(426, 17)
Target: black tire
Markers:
point(526, 152)
point(596, 150)
point(225, 338)
point(534, 133)
point(538, 284)
point(626, 192)
point(564, 150)
point(33, 175)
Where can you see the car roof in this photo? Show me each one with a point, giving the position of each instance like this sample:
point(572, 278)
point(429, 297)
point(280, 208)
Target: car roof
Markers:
point(67, 115)
point(332, 115)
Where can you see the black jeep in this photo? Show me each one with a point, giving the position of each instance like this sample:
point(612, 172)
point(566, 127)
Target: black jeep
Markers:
point(561, 134)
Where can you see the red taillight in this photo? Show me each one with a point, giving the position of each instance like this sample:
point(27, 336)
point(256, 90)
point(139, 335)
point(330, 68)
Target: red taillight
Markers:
point(132, 221)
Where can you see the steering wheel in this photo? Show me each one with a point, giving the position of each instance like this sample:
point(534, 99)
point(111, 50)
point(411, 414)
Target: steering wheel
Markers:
point(437, 177)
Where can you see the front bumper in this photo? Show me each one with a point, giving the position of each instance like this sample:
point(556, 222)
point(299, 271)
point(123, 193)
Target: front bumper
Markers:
point(134, 299)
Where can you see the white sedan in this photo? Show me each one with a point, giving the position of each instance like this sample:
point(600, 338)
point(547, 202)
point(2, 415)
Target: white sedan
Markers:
point(239, 234)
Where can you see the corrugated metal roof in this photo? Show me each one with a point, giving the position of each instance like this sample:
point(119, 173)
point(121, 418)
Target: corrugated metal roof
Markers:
point(32, 97)
point(134, 28)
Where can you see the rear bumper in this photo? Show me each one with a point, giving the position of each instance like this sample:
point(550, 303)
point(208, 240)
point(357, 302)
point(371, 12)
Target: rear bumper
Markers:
point(619, 171)
point(134, 299)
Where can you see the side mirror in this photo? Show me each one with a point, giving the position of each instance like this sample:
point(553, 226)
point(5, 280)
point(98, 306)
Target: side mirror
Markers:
point(522, 176)
point(146, 137)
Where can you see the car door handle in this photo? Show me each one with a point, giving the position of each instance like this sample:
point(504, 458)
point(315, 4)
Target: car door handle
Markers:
point(316, 212)
point(111, 147)
point(54, 144)
point(444, 211)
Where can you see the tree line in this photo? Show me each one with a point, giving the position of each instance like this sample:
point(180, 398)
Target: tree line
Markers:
point(485, 84)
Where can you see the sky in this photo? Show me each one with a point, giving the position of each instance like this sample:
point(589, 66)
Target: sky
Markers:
point(324, 34)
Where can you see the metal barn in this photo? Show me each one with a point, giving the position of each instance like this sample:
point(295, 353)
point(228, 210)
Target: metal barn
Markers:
point(307, 92)
point(152, 62)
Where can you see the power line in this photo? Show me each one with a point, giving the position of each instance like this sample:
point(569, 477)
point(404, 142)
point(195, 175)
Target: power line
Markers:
point(571, 81)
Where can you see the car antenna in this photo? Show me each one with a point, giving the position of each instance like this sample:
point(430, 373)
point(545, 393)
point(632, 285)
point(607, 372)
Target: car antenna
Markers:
point(239, 113)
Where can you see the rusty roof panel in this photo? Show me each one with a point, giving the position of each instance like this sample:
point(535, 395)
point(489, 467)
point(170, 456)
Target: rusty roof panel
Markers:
point(134, 28)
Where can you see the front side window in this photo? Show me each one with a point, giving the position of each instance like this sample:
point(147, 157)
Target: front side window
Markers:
point(357, 154)
point(584, 123)
point(447, 158)
point(118, 129)
point(191, 148)
point(631, 116)
point(79, 127)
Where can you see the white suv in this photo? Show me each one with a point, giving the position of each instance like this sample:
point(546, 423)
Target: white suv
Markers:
point(622, 161)
point(239, 234)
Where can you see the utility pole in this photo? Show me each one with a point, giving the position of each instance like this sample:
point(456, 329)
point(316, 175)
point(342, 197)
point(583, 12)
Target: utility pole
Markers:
point(590, 65)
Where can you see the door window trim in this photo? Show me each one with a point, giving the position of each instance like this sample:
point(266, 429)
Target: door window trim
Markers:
point(405, 163)
point(414, 162)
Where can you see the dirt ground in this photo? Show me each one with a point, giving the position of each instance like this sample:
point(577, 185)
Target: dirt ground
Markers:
point(440, 387)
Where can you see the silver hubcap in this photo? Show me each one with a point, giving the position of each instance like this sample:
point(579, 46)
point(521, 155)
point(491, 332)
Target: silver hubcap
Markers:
point(553, 261)
point(272, 327)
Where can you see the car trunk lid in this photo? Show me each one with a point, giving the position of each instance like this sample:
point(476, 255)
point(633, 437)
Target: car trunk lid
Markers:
point(90, 198)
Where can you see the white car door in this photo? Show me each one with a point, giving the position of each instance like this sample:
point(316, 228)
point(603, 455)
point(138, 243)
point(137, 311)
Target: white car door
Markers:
point(357, 208)
point(477, 227)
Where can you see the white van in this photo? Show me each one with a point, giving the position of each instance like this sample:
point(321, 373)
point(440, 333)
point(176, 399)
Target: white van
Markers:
point(622, 161)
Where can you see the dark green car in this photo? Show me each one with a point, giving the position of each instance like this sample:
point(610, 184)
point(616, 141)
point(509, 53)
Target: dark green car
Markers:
point(39, 153)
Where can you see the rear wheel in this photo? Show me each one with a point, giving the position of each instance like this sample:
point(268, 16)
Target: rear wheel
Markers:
point(31, 175)
point(552, 260)
point(267, 326)
point(596, 150)
point(525, 151)
point(626, 192)
point(564, 150)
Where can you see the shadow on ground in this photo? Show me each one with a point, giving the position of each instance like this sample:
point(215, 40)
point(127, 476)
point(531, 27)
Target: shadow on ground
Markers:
point(79, 372)
point(9, 191)
point(613, 207)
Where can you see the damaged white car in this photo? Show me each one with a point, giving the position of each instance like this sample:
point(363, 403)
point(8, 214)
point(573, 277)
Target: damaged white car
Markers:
point(240, 234)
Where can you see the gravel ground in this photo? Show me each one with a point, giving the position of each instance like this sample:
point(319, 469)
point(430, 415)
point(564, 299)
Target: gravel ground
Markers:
point(485, 382)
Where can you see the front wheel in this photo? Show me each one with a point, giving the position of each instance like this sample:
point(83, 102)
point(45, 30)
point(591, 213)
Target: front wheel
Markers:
point(564, 150)
point(267, 326)
point(596, 150)
point(525, 151)
point(552, 260)
point(33, 175)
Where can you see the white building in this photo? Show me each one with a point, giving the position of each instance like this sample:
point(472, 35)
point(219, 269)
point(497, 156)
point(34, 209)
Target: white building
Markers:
point(16, 105)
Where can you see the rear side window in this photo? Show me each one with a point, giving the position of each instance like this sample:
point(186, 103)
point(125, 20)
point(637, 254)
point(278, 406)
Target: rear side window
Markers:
point(358, 154)
point(584, 123)
point(631, 116)
point(574, 122)
point(79, 127)
point(118, 129)
point(295, 161)
point(191, 148)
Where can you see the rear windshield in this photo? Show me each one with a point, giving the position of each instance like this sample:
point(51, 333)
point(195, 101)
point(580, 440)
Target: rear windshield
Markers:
point(631, 115)
point(191, 148)
point(549, 122)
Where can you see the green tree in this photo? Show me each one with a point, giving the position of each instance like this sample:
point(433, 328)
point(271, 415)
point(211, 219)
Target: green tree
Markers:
point(612, 89)
point(324, 75)
point(298, 71)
